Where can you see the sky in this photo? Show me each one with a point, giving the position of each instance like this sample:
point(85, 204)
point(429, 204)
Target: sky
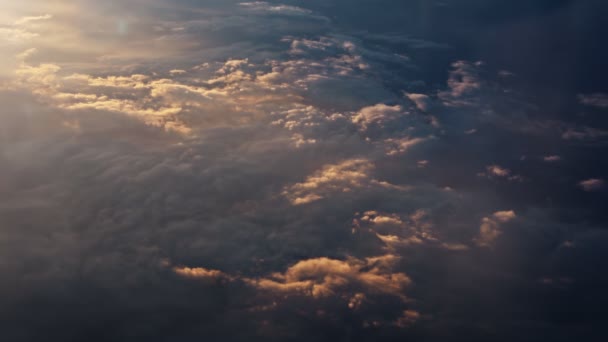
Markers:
point(319, 170)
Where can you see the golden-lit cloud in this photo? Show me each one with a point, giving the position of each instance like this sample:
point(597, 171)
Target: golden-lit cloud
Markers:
point(497, 171)
point(378, 114)
point(490, 228)
point(200, 273)
point(398, 146)
point(324, 277)
point(409, 318)
point(357, 284)
point(397, 232)
point(344, 177)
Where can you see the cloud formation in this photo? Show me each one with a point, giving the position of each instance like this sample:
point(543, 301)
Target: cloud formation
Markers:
point(490, 230)
point(598, 100)
point(296, 171)
point(592, 184)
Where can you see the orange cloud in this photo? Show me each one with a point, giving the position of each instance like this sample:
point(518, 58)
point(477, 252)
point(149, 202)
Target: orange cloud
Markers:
point(490, 228)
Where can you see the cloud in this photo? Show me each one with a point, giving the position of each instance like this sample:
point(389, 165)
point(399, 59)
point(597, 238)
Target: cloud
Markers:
point(413, 42)
point(356, 284)
point(464, 84)
point(490, 228)
point(324, 277)
point(16, 35)
point(344, 177)
point(421, 101)
point(584, 133)
point(305, 178)
point(237, 86)
point(27, 20)
point(281, 9)
point(402, 145)
point(408, 318)
point(44, 76)
point(496, 171)
point(398, 233)
point(377, 114)
point(200, 273)
point(593, 184)
point(598, 100)
point(552, 159)
point(22, 29)
point(262, 6)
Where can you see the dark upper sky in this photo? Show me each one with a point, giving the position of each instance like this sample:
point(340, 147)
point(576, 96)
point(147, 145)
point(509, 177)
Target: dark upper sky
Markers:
point(424, 170)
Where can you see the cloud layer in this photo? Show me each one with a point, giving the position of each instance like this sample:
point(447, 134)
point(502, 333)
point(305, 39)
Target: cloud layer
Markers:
point(294, 172)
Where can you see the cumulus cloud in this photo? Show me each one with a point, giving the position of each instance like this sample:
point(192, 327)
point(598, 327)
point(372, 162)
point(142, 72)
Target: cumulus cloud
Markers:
point(356, 283)
point(377, 114)
point(326, 277)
